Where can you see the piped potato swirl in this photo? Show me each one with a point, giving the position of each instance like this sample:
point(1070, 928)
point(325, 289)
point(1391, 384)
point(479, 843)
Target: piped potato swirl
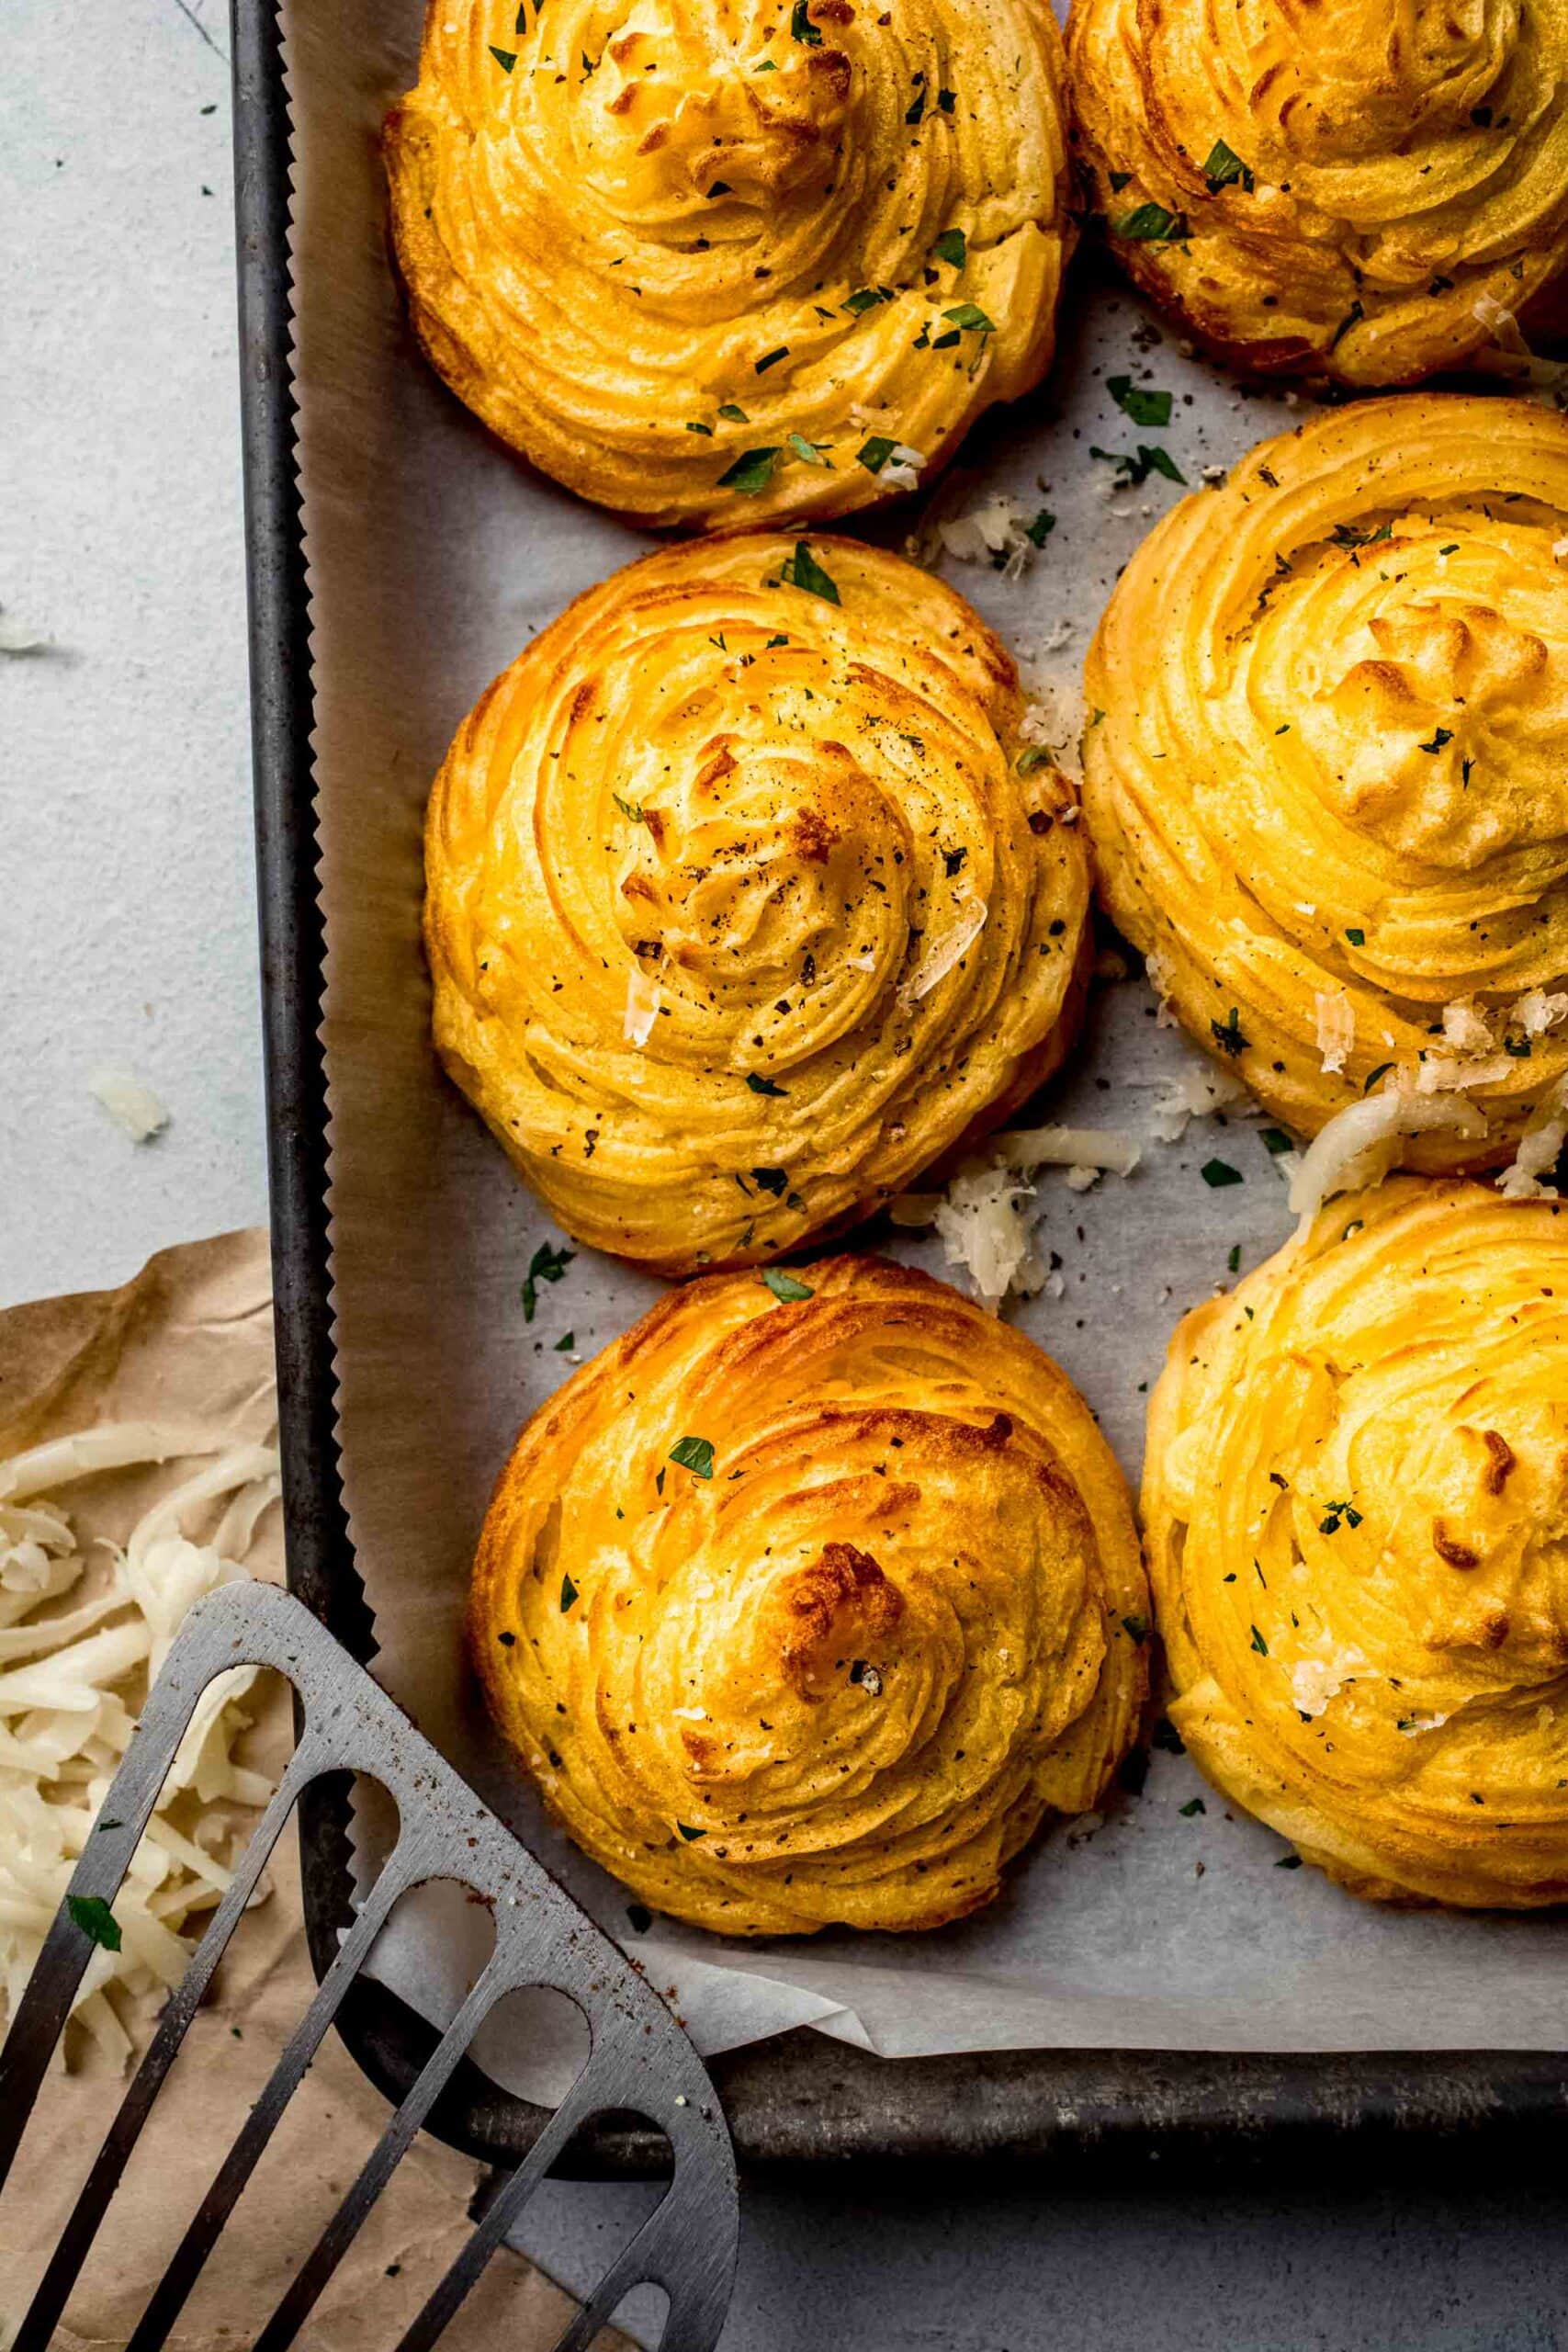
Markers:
point(1334, 189)
point(1356, 1503)
point(746, 900)
point(810, 1611)
point(718, 260)
point(1329, 790)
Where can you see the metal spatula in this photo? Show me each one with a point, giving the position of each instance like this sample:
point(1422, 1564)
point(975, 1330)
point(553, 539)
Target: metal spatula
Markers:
point(639, 2058)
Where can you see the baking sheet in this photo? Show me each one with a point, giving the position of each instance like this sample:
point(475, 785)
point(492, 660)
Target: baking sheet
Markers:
point(433, 556)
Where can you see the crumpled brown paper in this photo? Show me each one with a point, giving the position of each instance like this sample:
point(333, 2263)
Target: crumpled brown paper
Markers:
point(191, 1338)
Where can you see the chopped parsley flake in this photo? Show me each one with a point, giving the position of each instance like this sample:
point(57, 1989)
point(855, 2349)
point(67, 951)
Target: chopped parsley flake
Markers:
point(733, 416)
point(1225, 168)
point(810, 452)
point(770, 359)
point(1229, 1035)
point(952, 246)
point(1136, 467)
point(694, 1454)
point(1258, 1643)
point(770, 1180)
point(802, 571)
point(762, 1085)
point(751, 472)
point(784, 1286)
point(1151, 224)
point(505, 58)
point(1443, 735)
point(802, 28)
point(1357, 937)
point(568, 1594)
point(1218, 1173)
point(971, 318)
point(633, 810)
point(875, 454)
point(867, 298)
point(93, 1915)
point(691, 1835)
point(547, 1265)
point(1142, 402)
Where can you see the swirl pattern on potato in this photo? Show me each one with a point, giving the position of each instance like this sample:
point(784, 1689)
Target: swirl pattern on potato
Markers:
point(809, 1610)
point(1331, 188)
point(718, 260)
point(1328, 791)
point(1356, 1502)
point(746, 900)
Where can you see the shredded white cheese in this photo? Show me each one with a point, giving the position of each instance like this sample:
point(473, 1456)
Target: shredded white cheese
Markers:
point(940, 957)
point(1027, 1148)
point(129, 1104)
point(1359, 1145)
point(1336, 1027)
point(81, 1639)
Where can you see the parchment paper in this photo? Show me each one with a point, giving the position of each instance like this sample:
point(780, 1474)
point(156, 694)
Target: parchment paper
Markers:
point(434, 555)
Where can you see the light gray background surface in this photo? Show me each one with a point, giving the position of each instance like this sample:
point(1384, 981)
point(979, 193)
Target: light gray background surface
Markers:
point(127, 938)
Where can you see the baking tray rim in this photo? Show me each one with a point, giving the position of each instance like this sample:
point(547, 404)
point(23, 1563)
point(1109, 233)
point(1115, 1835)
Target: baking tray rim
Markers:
point(797, 2099)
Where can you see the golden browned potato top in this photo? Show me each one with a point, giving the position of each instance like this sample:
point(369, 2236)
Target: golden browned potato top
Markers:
point(747, 898)
point(1356, 1503)
point(723, 261)
point(1329, 794)
point(807, 1605)
point(1339, 189)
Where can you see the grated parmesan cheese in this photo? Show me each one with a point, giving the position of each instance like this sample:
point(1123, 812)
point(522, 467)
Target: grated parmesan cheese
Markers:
point(1336, 1027)
point(992, 533)
point(642, 1007)
point(1541, 1146)
point(1465, 1029)
point(987, 1215)
point(1194, 1091)
point(80, 1642)
point(1539, 1012)
point(987, 1222)
point(1315, 1680)
point(940, 959)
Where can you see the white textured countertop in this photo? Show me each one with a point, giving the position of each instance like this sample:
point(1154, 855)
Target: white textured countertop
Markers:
point(127, 939)
point(127, 925)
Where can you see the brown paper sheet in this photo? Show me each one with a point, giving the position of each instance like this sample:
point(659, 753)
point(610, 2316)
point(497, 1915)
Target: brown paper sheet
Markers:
point(190, 1339)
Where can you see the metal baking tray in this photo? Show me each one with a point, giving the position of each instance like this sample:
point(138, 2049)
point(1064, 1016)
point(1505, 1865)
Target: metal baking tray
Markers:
point(798, 2099)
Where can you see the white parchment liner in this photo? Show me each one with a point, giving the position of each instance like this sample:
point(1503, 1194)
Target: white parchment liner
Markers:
point(434, 555)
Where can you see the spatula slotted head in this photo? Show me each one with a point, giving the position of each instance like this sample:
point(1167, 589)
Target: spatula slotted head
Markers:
point(639, 2058)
